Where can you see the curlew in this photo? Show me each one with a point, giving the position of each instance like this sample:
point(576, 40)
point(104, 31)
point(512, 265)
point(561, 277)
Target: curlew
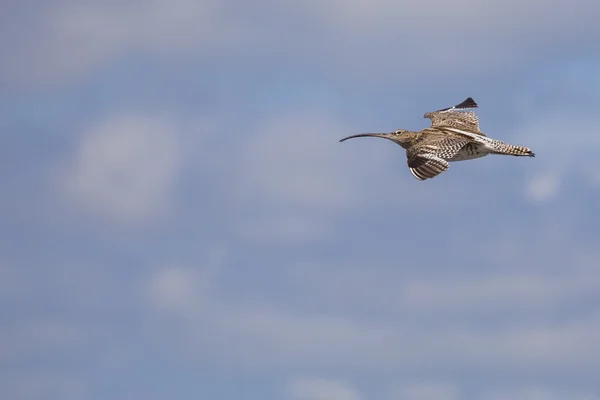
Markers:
point(454, 135)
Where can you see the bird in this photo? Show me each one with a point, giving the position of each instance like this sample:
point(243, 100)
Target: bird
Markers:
point(454, 135)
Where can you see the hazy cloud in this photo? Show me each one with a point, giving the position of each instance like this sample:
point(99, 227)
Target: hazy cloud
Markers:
point(427, 391)
point(321, 389)
point(543, 188)
point(267, 335)
point(291, 177)
point(71, 38)
point(266, 253)
point(536, 392)
point(124, 168)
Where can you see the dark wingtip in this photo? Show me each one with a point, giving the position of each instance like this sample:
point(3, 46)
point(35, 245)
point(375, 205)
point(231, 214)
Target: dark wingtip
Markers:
point(468, 103)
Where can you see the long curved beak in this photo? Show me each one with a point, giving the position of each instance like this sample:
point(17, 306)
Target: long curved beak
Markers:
point(379, 135)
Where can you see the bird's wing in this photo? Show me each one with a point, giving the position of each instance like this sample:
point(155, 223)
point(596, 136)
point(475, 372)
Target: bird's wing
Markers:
point(443, 145)
point(426, 165)
point(428, 159)
point(455, 117)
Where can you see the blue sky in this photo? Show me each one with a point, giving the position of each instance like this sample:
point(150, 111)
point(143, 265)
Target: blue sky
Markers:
point(180, 221)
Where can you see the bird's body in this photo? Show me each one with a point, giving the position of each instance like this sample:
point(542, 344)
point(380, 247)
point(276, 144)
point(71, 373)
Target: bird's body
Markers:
point(454, 135)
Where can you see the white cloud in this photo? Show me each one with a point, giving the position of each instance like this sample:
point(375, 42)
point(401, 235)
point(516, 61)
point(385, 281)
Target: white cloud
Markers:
point(264, 335)
point(69, 38)
point(537, 392)
point(515, 291)
point(184, 291)
point(544, 187)
point(321, 389)
point(563, 139)
point(522, 292)
point(177, 289)
point(125, 168)
point(73, 37)
point(427, 391)
point(291, 178)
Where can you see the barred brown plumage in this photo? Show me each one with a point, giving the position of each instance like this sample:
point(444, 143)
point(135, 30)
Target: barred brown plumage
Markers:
point(454, 135)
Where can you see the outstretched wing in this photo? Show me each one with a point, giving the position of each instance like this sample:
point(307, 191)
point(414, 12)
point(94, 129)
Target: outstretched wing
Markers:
point(455, 117)
point(426, 165)
point(429, 159)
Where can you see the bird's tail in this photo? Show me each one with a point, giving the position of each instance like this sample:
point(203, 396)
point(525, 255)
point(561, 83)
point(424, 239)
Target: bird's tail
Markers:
point(512, 150)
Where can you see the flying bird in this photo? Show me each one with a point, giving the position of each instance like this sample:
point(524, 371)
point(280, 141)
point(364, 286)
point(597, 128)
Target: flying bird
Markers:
point(454, 135)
